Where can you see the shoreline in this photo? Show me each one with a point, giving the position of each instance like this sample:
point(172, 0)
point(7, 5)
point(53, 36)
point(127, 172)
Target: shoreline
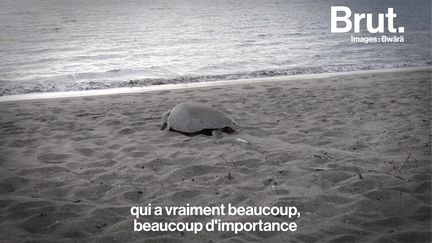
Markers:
point(153, 88)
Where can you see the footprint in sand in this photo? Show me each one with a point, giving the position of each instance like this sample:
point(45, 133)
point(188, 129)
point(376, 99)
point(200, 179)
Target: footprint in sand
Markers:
point(102, 163)
point(12, 184)
point(22, 143)
point(134, 195)
point(336, 176)
point(85, 151)
point(51, 157)
point(126, 131)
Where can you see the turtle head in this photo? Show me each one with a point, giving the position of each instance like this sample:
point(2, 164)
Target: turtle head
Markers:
point(235, 125)
point(164, 122)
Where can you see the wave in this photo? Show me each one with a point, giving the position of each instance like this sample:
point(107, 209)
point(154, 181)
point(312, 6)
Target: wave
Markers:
point(70, 82)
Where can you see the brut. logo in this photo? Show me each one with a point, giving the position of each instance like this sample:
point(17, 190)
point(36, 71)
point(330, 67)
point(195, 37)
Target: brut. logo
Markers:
point(342, 14)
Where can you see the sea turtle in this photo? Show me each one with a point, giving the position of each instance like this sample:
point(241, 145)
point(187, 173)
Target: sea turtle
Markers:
point(192, 118)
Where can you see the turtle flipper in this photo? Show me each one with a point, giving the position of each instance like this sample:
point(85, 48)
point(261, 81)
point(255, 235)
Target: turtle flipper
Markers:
point(164, 122)
point(217, 134)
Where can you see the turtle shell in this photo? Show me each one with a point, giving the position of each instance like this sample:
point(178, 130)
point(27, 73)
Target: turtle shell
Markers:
point(192, 117)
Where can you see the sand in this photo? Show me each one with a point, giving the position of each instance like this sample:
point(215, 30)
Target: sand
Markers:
point(351, 152)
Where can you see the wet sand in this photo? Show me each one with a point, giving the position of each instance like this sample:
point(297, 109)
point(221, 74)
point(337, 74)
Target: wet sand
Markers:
point(351, 152)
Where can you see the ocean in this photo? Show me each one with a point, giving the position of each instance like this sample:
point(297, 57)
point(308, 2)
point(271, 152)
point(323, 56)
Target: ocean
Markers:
point(63, 45)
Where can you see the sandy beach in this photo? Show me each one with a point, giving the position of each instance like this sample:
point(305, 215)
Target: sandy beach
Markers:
point(352, 152)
